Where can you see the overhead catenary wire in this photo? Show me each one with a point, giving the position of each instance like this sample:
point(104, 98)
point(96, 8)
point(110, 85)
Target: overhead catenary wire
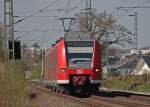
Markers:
point(68, 4)
point(67, 12)
point(37, 28)
point(39, 10)
point(65, 16)
point(68, 9)
point(18, 16)
point(34, 29)
point(76, 6)
point(48, 6)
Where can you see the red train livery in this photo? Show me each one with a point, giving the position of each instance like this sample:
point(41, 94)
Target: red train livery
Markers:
point(73, 66)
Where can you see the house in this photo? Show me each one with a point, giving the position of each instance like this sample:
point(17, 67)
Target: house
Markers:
point(127, 66)
point(143, 66)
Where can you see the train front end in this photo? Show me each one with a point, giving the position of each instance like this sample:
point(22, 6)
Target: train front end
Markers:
point(83, 66)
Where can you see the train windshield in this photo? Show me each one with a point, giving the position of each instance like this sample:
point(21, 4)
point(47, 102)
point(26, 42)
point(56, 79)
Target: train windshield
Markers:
point(79, 54)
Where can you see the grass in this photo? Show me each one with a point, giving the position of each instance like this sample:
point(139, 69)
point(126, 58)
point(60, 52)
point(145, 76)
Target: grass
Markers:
point(142, 88)
point(36, 73)
point(13, 90)
point(13, 86)
point(129, 83)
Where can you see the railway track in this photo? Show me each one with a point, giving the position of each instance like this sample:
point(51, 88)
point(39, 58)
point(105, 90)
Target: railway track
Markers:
point(102, 99)
point(82, 101)
point(127, 102)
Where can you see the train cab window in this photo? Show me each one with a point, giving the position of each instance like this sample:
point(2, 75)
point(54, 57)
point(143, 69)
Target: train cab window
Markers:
point(79, 54)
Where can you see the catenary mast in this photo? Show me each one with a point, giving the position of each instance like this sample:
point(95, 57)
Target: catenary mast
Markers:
point(9, 27)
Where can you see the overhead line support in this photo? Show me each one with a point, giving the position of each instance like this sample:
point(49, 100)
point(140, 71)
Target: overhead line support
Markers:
point(9, 27)
point(135, 23)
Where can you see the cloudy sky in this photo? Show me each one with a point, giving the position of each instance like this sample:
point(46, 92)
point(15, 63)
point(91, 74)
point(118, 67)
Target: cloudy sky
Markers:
point(44, 26)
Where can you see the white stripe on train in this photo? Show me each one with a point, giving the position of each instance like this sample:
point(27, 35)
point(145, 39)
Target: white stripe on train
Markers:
point(67, 81)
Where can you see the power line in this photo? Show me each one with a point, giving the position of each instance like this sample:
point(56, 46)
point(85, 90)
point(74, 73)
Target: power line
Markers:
point(65, 9)
point(22, 19)
point(134, 7)
point(76, 6)
point(68, 4)
point(34, 29)
point(67, 13)
point(135, 24)
point(37, 30)
point(59, 10)
point(17, 16)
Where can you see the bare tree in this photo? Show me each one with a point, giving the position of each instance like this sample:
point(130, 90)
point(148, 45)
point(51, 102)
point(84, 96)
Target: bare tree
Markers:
point(1, 31)
point(103, 26)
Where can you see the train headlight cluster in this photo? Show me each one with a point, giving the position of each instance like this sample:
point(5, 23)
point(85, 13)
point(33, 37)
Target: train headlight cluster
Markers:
point(63, 70)
point(97, 70)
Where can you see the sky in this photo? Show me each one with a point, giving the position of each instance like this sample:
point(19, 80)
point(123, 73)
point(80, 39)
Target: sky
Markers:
point(47, 28)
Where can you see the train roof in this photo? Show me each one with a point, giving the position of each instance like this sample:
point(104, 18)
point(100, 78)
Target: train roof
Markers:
point(73, 36)
point(77, 36)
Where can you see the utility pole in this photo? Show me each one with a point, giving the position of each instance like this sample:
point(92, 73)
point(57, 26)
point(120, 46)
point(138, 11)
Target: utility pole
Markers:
point(135, 24)
point(89, 15)
point(88, 4)
point(135, 47)
point(9, 27)
point(135, 33)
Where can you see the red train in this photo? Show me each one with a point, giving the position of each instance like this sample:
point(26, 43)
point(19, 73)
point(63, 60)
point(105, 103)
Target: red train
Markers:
point(73, 66)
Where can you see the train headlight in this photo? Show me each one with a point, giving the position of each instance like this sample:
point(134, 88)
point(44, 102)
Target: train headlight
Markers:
point(63, 70)
point(97, 70)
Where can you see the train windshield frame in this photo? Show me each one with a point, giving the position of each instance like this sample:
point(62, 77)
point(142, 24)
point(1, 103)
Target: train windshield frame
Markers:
point(79, 54)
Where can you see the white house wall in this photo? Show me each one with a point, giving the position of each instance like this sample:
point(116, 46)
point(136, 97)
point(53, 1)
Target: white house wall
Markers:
point(140, 68)
point(137, 69)
point(143, 69)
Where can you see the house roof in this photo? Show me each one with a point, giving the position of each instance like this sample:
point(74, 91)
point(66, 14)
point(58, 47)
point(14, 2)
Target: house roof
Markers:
point(35, 46)
point(130, 64)
point(147, 60)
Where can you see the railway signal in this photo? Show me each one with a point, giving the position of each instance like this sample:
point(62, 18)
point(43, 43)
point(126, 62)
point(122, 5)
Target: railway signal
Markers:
point(16, 50)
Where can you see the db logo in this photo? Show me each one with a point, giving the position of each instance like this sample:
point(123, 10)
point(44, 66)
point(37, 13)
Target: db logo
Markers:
point(79, 71)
